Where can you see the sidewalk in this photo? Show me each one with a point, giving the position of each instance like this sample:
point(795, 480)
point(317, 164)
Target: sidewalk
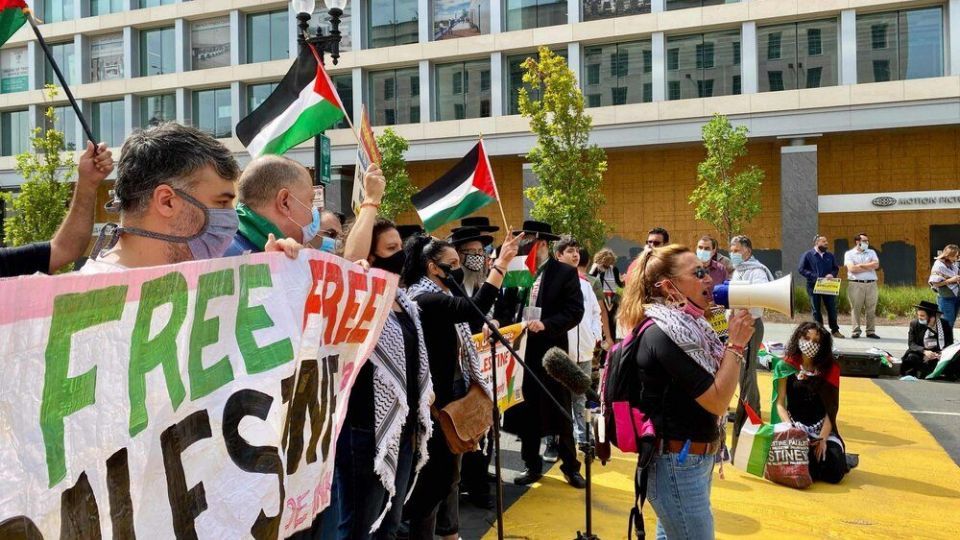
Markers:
point(894, 338)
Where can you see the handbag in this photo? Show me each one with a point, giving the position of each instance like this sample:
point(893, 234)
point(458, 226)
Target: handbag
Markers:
point(465, 421)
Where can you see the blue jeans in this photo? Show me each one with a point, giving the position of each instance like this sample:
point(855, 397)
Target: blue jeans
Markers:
point(359, 495)
point(949, 308)
point(680, 495)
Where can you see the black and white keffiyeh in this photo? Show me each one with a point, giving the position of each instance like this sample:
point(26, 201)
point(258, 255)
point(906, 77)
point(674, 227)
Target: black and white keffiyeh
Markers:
point(469, 359)
point(390, 400)
point(693, 335)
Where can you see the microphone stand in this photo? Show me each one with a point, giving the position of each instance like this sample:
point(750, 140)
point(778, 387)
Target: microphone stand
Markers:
point(589, 450)
point(497, 337)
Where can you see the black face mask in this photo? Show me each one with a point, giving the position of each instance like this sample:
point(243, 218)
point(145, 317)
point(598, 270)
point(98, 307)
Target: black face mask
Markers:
point(457, 275)
point(393, 264)
point(822, 249)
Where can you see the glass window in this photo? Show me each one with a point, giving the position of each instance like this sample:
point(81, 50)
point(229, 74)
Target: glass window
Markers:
point(460, 18)
point(57, 10)
point(106, 57)
point(684, 4)
point(14, 70)
point(210, 43)
point(102, 7)
point(155, 3)
point(523, 14)
point(346, 34)
point(515, 79)
point(393, 22)
point(705, 65)
point(66, 123)
point(798, 55)
point(155, 110)
point(63, 55)
point(398, 108)
point(603, 9)
point(257, 94)
point(157, 52)
point(108, 122)
point(900, 45)
point(344, 86)
point(460, 91)
point(624, 69)
point(268, 36)
point(14, 133)
point(673, 59)
point(212, 112)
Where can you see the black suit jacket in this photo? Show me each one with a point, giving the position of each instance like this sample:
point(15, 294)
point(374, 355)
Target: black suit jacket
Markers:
point(917, 333)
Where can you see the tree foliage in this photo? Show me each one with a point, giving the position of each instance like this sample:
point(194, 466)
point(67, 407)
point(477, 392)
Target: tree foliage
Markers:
point(570, 170)
point(399, 189)
point(41, 204)
point(724, 198)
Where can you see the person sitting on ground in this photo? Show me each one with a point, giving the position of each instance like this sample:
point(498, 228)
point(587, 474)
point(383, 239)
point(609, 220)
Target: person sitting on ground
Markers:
point(928, 336)
point(806, 392)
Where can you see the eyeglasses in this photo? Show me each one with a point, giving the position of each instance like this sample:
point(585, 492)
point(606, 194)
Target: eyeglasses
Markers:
point(654, 243)
point(700, 272)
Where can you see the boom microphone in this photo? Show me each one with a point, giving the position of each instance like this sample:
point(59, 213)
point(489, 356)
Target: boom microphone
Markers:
point(563, 370)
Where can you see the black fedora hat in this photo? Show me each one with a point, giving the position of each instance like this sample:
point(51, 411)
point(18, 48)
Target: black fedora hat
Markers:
point(538, 229)
point(462, 235)
point(406, 231)
point(929, 307)
point(479, 223)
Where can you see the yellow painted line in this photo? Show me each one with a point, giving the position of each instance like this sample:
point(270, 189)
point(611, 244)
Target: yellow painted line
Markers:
point(905, 487)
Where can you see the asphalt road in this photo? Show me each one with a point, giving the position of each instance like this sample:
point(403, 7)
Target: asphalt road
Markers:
point(935, 404)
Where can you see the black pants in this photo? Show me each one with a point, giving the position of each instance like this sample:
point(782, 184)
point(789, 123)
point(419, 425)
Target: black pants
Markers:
point(474, 467)
point(914, 364)
point(438, 477)
point(566, 450)
point(833, 467)
point(831, 304)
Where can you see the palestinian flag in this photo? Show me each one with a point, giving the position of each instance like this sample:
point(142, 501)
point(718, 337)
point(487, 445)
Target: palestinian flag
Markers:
point(463, 190)
point(523, 268)
point(753, 445)
point(12, 17)
point(303, 105)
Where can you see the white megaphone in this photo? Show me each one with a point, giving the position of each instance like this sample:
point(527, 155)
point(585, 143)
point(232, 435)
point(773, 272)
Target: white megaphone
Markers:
point(776, 295)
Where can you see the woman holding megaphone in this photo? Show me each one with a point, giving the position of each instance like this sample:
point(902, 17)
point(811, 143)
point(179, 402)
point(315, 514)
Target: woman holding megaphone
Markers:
point(687, 378)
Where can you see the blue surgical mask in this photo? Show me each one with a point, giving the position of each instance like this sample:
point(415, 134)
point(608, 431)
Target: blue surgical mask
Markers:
point(736, 259)
point(311, 229)
point(328, 244)
point(704, 255)
point(864, 246)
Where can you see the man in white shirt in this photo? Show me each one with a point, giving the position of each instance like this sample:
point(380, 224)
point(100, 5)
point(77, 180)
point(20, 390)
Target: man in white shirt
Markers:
point(862, 264)
point(748, 269)
point(582, 339)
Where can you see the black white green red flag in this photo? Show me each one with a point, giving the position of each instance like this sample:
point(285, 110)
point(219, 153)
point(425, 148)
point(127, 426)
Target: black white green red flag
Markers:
point(303, 105)
point(12, 17)
point(461, 191)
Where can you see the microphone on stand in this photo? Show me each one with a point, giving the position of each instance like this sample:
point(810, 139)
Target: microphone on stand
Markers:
point(562, 369)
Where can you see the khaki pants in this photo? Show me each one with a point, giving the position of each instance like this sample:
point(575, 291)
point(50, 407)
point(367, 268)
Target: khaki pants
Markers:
point(863, 298)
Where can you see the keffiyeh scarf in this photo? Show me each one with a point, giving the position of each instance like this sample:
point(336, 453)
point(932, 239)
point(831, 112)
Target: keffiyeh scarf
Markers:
point(390, 400)
point(694, 336)
point(469, 359)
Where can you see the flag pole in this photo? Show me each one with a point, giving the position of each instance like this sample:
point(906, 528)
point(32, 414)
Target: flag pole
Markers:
point(63, 82)
point(496, 190)
point(345, 115)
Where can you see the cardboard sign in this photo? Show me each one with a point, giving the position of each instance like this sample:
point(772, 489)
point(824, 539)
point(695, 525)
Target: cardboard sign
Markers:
point(509, 371)
point(195, 400)
point(827, 286)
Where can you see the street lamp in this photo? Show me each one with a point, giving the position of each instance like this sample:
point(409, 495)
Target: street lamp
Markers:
point(329, 43)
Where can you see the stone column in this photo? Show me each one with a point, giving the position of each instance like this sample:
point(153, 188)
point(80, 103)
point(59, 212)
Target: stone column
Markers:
point(848, 46)
point(749, 62)
point(659, 68)
point(799, 217)
point(953, 12)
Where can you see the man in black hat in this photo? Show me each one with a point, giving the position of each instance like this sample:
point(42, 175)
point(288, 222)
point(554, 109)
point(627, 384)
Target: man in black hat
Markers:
point(928, 337)
point(556, 306)
point(479, 223)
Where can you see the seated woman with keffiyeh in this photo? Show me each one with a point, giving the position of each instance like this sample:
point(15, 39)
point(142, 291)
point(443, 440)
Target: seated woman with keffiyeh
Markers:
point(928, 337)
point(806, 392)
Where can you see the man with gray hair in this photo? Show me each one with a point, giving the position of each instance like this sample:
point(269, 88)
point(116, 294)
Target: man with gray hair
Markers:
point(748, 269)
point(276, 199)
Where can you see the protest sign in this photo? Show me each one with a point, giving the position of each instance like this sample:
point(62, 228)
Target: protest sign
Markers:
point(827, 286)
point(196, 400)
point(509, 371)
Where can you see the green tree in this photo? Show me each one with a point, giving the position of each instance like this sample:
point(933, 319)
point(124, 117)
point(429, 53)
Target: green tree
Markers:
point(399, 189)
point(570, 170)
point(724, 198)
point(41, 204)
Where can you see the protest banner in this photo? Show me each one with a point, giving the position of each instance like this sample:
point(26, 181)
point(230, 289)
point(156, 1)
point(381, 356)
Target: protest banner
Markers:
point(509, 371)
point(196, 400)
point(827, 286)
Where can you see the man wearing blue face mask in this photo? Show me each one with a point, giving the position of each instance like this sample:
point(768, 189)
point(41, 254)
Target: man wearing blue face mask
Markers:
point(175, 190)
point(276, 197)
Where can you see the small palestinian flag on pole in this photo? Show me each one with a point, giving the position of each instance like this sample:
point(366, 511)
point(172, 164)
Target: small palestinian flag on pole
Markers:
point(12, 17)
point(303, 105)
point(463, 190)
point(523, 268)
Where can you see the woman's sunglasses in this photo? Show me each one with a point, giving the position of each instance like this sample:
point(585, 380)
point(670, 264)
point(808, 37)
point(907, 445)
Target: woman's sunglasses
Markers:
point(700, 272)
